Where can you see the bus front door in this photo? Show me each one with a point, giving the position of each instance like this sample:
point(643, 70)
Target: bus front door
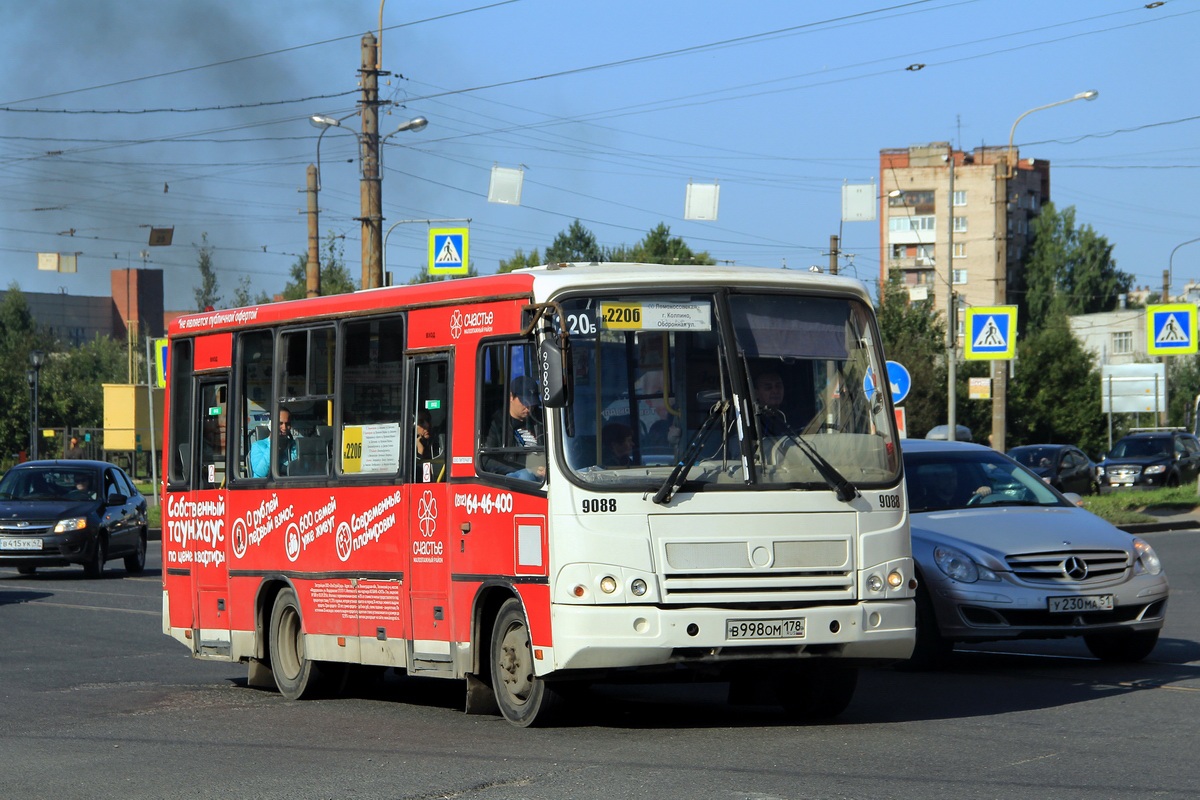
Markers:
point(428, 574)
point(205, 527)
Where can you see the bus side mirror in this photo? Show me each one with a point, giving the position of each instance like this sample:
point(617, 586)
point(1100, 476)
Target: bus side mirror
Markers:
point(553, 367)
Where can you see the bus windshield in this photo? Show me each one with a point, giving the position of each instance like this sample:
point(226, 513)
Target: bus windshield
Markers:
point(780, 378)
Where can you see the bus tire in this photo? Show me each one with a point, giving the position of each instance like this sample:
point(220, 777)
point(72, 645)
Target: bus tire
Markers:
point(296, 676)
point(817, 692)
point(524, 699)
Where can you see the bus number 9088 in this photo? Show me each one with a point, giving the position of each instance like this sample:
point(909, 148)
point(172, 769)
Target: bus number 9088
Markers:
point(599, 505)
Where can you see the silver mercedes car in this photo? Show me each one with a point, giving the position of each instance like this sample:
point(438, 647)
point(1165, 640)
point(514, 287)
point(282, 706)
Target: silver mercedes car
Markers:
point(1001, 555)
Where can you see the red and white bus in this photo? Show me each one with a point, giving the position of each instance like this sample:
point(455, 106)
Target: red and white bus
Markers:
point(547, 477)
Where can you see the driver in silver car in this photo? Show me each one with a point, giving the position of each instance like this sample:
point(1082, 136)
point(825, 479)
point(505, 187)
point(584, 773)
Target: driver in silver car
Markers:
point(940, 485)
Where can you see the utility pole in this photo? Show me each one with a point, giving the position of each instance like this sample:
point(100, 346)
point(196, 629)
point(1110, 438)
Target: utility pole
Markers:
point(313, 271)
point(1000, 368)
point(1164, 415)
point(951, 316)
point(369, 188)
point(833, 255)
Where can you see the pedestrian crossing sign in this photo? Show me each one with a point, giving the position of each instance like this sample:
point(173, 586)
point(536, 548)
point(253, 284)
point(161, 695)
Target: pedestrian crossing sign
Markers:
point(448, 251)
point(1171, 329)
point(991, 333)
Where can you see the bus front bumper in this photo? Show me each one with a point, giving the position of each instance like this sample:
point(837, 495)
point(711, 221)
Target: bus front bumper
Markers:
point(607, 637)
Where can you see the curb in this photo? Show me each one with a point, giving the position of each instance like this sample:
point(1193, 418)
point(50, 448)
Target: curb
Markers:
point(1154, 527)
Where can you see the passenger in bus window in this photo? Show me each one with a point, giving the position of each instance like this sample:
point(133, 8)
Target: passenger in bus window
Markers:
point(260, 451)
point(429, 450)
point(618, 445)
point(664, 432)
point(517, 425)
point(424, 430)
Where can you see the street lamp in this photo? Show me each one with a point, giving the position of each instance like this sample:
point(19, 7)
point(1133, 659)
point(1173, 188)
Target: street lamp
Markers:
point(1000, 368)
point(1090, 94)
point(373, 237)
point(313, 267)
point(1171, 267)
point(36, 359)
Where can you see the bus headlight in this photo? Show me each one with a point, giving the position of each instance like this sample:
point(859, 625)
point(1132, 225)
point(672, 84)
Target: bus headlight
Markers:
point(875, 583)
point(895, 579)
point(637, 587)
point(608, 584)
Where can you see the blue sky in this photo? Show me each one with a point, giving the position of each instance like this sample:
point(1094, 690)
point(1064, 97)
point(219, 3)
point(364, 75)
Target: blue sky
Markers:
point(116, 116)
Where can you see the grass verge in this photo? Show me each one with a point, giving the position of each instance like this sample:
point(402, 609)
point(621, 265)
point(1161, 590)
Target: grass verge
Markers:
point(1130, 506)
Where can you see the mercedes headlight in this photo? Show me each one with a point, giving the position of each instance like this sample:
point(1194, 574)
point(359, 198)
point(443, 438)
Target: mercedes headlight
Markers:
point(1147, 559)
point(957, 566)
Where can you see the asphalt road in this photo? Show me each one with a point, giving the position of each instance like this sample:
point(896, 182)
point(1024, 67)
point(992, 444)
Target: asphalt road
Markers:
point(98, 703)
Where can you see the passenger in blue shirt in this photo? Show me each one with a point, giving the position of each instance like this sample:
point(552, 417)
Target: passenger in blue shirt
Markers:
point(260, 451)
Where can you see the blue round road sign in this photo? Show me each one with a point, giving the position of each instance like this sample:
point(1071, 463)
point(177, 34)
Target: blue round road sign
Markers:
point(898, 378)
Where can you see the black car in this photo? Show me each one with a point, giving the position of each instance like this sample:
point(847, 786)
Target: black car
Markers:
point(1149, 459)
point(58, 513)
point(1063, 466)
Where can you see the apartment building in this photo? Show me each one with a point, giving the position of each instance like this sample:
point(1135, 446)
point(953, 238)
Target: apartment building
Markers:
point(967, 228)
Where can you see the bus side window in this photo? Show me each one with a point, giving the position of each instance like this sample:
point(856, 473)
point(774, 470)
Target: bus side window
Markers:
point(254, 396)
point(181, 413)
point(371, 391)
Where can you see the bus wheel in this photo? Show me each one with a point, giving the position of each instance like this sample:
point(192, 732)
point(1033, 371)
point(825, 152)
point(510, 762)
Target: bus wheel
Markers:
point(523, 698)
point(817, 692)
point(295, 676)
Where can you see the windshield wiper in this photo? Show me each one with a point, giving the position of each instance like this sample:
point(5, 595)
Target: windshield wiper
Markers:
point(842, 488)
point(679, 474)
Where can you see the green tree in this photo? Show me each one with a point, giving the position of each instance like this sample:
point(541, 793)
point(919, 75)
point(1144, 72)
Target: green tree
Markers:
point(73, 381)
point(206, 293)
point(1069, 270)
point(335, 278)
point(520, 261)
point(18, 336)
point(659, 247)
point(1056, 394)
point(242, 297)
point(576, 243)
point(1183, 385)
point(914, 335)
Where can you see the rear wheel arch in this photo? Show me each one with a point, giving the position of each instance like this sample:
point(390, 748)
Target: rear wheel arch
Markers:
point(488, 601)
